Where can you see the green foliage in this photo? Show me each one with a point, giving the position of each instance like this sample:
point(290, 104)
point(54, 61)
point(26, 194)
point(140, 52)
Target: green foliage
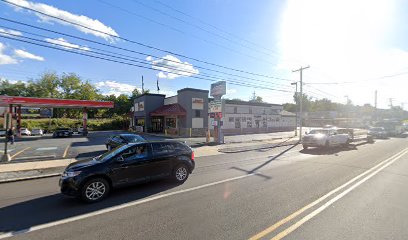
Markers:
point(115, 123)
point(69, 86)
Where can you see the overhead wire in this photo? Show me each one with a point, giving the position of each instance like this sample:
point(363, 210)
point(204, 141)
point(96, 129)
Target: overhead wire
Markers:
point(136, 65)
point(119, 48)
point(141, 44)
point(126, 57)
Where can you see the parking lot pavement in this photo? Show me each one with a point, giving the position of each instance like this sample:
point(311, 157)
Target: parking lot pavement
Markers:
point(34, 148)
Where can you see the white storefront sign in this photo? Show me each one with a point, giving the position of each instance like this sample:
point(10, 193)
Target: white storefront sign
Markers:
point(215, 106)
point(197, 103)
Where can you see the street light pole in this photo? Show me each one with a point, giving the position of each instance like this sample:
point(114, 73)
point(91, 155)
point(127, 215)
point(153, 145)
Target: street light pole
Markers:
point(296, 102)
point(301, 98)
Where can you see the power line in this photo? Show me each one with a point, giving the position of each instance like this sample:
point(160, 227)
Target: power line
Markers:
point(115, 47)
point(195, 26)
point(213, 26)
point(142, 44)
point(139, 66)
point(128, 58)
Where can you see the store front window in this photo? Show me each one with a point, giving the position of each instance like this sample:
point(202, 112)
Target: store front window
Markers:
point(171, 122)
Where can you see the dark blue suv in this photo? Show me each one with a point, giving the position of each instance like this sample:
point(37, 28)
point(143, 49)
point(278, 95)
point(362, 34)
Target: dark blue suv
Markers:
point(133, 163)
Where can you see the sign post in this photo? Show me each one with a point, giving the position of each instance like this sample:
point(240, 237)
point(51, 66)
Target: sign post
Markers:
point(217, 90)
point(7, 125)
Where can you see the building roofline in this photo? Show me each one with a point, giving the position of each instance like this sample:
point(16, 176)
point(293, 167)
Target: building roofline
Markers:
point(193, 89)
point(227, 101)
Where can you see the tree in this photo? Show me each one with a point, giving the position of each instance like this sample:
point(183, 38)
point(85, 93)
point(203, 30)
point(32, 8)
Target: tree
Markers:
point(70, 85)
point(46, 86)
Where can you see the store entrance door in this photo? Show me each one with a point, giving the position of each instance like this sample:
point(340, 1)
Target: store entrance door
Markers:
point(157, 124)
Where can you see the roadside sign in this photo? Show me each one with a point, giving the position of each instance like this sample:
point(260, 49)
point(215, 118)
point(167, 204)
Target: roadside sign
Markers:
point(218, 88)
point(215, 106)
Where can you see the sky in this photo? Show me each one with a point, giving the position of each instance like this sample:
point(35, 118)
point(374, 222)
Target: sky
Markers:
point(353, 48)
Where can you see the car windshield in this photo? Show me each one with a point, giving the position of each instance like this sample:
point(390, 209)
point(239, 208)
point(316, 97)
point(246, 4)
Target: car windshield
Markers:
point(318, 131)
point(132, 138)
point(108, 155)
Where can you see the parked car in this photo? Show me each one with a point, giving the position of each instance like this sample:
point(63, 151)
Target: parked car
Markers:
point(62, 132)
point(378, 132)
point(3, 132)
point(37, 131)
point(133, 163)
point(80, 130)
point(325, 138)
point(25, 131)
point(121, 139)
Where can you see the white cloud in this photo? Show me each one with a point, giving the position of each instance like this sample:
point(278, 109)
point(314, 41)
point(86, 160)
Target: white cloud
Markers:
point(78, 19)
point(24, 54)
point(4, 31)
point(149, 58)
point(231, 91)
point(64, 44)
point(4, 58)
point(115, 88)
point(171, 67)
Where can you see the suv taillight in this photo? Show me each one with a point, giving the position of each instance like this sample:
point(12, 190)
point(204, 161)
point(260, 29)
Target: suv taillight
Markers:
point(192, 155)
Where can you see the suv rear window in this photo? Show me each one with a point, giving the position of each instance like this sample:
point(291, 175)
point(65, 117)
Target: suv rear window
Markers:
point(180, 146)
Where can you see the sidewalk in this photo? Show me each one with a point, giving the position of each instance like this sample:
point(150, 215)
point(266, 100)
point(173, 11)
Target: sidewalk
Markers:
point(240, 143)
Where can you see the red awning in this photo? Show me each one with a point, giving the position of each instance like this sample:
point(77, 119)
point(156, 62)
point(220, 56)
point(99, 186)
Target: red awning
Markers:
point(168, 110)
point(52, 102)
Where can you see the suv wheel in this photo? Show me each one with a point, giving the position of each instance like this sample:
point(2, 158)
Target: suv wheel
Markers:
point(95, 190)
point(180, 173)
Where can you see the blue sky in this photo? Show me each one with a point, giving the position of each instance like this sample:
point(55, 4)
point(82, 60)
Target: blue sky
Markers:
point(351, 43)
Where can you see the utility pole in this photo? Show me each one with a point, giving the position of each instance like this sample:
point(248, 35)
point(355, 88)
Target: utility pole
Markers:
point(391, 105)
point(142, 85)
point(296, 102)
point(301, 98)
point(375, 105)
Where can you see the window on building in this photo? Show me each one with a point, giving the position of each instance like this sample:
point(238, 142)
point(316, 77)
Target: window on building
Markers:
point(171, 122)
point(197, 113)
point(231, 119)
point(249, 124)
point(243, 119)
point(235, 110)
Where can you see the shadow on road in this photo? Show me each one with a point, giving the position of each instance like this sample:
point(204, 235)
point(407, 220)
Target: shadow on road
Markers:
point(55, 207)
point(254, 170)
point(332, 150)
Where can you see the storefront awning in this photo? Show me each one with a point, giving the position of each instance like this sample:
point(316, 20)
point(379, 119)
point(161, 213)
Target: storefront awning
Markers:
point(168, 110)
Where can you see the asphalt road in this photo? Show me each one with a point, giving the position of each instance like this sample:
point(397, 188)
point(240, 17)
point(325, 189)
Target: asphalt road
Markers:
point(354, 193)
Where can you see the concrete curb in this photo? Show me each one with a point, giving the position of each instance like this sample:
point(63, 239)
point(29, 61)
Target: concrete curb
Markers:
point(30, 178)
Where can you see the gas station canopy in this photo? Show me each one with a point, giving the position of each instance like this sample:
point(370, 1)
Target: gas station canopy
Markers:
point(6, 101)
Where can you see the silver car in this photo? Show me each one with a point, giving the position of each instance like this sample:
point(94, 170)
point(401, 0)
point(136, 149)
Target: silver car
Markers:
point(37, 131)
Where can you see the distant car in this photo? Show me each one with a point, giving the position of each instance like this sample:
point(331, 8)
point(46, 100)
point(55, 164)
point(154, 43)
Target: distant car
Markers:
point(2, 132)
point(25, 131)
point(37, 131)
point(378, 132)
point(62, 132)
point(133, 163)
point(122, 139)
point(80, 130)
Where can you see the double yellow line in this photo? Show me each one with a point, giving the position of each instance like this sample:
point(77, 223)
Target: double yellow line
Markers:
point(370, 173)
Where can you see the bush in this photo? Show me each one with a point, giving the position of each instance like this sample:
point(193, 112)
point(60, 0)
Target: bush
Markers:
point(115, 123)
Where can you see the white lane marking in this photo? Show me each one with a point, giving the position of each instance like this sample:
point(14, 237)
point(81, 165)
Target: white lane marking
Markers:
point(122, 206)
point(333, 200)
point(46, 149)
point(327, 195)
point(8, 150)
point(33, 157)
